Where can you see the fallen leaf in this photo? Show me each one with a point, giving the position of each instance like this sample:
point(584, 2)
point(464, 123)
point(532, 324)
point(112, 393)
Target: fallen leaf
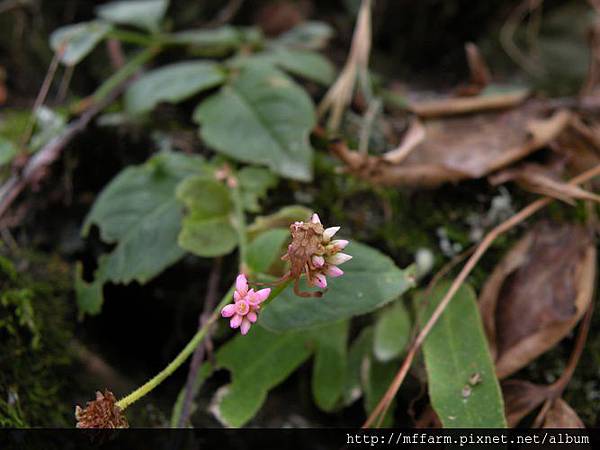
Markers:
point(537, 293)
point(561, 415)
point(521, 398)
point(538, 179)
point(459, 148)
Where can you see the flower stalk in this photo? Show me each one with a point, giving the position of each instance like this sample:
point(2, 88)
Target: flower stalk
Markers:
point(179, 359)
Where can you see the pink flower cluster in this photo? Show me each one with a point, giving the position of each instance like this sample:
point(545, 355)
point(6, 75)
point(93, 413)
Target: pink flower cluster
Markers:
point(326, 261)
point(244, 310)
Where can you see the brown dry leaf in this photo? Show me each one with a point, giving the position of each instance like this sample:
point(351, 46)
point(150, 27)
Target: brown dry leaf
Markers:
point(521, 398)
point(460, 148)
point(537, 293)
point(538, 179)
point(561, 415)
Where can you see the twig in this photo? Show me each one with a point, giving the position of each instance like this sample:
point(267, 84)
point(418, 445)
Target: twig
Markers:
point(42, 94)
point(198, 356)
point(64, 84)
point(36, 165)
point(526, 212)
point(226, 14)
point(46, 156)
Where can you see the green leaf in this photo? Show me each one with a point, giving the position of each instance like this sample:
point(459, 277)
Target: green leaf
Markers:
point(258, 362)
point(329, 367)
point(49, 124)
point(145, 14)
point(359, 355)
point(265, 249)
point(217, 41)
point(79, 39)
point(204, 372)
point(8, 150)
point(89, 295)
point(392, 331)
point(254, 182)
point(138, 211)
point(172, 83)
point(262, 117)
point(455, 351)
point(304, 63)
point(280, 219)
point(309, 35)
point(371, 280)
point(207, 230)
point(376, 380)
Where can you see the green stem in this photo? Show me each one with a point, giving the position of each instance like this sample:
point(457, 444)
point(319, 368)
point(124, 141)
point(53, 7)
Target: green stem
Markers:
point(132, 37)
point(240, 225)
point(179, 359)
point(125, 72)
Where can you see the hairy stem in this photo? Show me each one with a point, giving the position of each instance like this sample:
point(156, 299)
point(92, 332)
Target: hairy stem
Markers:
point(179, 359)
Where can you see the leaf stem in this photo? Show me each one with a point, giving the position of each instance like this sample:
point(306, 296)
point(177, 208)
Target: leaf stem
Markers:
point(132, 37)
point(240, 224)
point(125, 72)
point(179, 359)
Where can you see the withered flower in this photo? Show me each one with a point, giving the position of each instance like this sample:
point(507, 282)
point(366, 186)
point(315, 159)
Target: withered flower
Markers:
point(101, 413)
point(312, 252)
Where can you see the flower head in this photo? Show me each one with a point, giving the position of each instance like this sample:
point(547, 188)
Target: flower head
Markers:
point(313, 253)
point(246, 304)
point(101, 413)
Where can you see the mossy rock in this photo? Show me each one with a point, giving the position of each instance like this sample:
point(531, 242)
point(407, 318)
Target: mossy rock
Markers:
point(35, 331)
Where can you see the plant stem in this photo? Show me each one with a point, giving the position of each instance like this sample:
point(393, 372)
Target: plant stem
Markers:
point(179, 359)
point(125, 72)
point(132, 37)
point(240, 224)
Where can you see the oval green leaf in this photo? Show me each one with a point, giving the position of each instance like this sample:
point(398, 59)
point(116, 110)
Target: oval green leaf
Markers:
point(371, 280)
point(463, 387)
point(262, 117)
point(172, 83)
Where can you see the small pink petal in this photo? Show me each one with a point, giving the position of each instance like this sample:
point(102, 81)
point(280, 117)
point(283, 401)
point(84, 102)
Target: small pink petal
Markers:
point(241, 284)
point(252, 317)
point(315, 218)
point(228, 310)
point(235, 321)
point(340, 244)
point(262, 295)
point(338, 258)
point(320, 280)
point(245, 326)
point(237, 296)
point(329, 232)
point(318, 261)
point(242, 307)
point(334, 271)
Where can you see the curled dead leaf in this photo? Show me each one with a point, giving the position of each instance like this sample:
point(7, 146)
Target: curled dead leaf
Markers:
point(537, 293)
point(460, 148)
point(538, 179)
point(521, 398)
point(561, 415)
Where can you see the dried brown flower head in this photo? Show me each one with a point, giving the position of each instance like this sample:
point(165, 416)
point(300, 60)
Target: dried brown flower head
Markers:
point(101, 413)
point(313, 253)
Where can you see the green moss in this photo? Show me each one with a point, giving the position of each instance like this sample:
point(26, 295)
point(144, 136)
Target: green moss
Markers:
point(35, 330)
